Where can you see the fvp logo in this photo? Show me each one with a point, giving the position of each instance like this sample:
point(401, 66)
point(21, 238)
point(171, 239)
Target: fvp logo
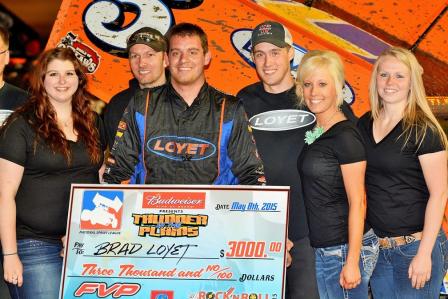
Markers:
point(102, 210)
point(181, 148)
point(162, 295)
point(102, 290)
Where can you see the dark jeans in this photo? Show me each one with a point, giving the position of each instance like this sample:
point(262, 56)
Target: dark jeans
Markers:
point(301, 275)
point(390, 278)
point(42, 268)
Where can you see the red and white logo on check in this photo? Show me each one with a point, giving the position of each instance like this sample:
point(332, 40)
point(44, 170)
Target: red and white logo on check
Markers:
point(174, 200)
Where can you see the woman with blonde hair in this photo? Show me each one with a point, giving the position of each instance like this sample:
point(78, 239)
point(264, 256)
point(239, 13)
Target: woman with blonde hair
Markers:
point(52, 141)
point(332, 168)
point(406, 180)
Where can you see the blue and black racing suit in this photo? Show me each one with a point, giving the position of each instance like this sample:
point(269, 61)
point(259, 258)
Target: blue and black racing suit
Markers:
point(162, 140)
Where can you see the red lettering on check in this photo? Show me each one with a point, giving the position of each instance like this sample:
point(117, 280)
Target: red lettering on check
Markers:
point(102, 290)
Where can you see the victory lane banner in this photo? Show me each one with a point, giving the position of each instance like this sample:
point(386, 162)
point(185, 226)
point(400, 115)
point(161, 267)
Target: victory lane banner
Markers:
point(176, 242)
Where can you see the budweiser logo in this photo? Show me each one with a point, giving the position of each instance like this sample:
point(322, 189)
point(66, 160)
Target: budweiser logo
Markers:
point(174, 200)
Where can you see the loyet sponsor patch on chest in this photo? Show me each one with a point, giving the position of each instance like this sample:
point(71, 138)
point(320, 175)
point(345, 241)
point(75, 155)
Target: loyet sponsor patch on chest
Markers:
point(181, 148)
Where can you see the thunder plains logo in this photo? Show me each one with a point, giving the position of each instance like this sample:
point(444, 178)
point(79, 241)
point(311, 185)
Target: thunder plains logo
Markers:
point(169, 225)
point(181, 148)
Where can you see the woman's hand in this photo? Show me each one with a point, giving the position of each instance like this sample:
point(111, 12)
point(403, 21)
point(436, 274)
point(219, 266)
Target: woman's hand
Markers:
point(350, 276)
point(13, 269)
point(420, 270)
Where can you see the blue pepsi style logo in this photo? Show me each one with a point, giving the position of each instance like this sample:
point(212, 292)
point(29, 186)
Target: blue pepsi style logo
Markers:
point(181, 148)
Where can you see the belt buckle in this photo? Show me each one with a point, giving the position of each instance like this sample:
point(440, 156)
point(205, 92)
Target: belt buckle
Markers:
point(409, 239)
point(386, 243)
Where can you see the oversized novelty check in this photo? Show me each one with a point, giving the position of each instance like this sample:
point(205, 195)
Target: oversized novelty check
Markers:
point(176, 242)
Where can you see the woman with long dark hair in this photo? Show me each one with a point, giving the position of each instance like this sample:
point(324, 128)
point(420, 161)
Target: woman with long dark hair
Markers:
point(50, 142)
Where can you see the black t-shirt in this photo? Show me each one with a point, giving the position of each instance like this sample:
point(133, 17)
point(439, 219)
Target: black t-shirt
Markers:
point(43, 195)
point(323, 186)
point(279, 127)
point(114, 110)
point(279, 149)
point(396, 189)
point(11, 97)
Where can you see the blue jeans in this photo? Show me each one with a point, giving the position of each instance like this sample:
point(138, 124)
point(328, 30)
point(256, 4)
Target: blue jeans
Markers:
point(329, 263)
point(390, 278)
point(42, 268)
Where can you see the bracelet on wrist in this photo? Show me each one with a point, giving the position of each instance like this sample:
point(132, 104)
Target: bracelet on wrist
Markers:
point(12, 253)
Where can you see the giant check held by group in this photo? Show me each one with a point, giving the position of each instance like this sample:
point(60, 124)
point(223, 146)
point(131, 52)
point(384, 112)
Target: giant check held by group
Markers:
point(176, 242)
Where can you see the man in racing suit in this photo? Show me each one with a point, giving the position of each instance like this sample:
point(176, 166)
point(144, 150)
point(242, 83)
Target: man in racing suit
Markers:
point(184, 132)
